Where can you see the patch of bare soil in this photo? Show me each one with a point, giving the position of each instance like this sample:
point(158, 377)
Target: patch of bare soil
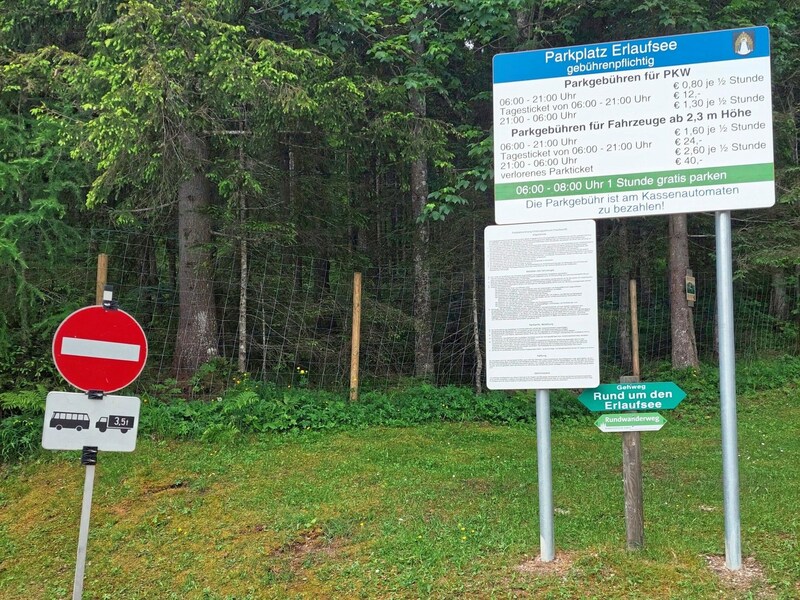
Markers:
point(309, 542)
point(157, 488)
point(750, 578)
point(559, 566)
point(252, 529)
point(480, 486)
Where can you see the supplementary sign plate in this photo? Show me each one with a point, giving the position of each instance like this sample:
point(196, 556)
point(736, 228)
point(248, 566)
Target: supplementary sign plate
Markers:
point(72, 421)
point(630, 422)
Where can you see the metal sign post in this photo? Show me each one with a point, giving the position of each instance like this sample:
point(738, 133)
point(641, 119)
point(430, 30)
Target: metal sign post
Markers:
point(89, 459)
point(98, 349)
point(727, 392)
point(547, 545)
point(529, 317)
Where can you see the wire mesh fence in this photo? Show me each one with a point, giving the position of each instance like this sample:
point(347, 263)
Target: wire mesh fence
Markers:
point(295, 325)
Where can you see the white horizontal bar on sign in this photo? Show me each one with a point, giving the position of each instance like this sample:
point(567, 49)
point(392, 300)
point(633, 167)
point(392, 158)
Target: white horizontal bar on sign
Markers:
point(629, 428)
point(100, 349)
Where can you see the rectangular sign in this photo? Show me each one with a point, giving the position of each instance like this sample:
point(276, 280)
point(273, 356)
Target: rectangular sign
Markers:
point(630, 422)
point(660, 395)
point(640, 127)
point(73, 420)
point(541, 306)
point(97, 349)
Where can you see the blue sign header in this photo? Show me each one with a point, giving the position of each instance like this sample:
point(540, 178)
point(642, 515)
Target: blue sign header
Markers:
point(647, 53)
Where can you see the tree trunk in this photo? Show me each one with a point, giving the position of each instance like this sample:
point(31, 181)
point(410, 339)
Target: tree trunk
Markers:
point(244, 275)
point(148, 277)
point(623, 287)
point(684, 344)
point(244, 271)
point(476, 329)
point(423, 335)
point(197, 323)
point(779, 297)
point(321, 269)
point(797, 295)
point(291, 201)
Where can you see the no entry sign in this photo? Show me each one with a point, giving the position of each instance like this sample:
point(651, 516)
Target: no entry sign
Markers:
point(97, 348)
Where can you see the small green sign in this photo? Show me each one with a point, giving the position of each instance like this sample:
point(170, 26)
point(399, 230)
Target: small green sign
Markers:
point(630, 422)
point(662, 395)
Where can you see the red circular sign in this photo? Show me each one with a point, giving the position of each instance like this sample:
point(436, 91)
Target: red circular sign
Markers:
point(102, 349)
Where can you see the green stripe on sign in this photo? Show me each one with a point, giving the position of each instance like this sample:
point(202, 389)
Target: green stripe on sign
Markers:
point(632, 182)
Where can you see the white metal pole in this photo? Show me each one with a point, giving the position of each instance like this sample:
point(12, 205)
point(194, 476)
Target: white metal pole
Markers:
point(545, 467)
point(727, 388)
point(83, 532)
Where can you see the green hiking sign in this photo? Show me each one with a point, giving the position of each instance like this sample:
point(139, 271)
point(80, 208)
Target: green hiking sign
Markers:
point(608, 397)
point(630, 422)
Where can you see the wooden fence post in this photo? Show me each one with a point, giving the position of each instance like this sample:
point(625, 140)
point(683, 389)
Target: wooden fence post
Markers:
point(632, 450)
point(102, 277)
point(356, 337)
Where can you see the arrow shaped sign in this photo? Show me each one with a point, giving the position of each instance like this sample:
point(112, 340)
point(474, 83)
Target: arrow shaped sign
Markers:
point(630, 422)
point(662, 395)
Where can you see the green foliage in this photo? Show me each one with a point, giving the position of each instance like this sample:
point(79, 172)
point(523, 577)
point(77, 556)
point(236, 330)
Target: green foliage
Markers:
point(21, 415)
point(768, 374)
point(752, 377)
point(211, 377)
point(25, 400)
point(249, 407)
point(38, 183)
point(24, 365)
point(265, 408)
point(20, 435)
point(95, 99)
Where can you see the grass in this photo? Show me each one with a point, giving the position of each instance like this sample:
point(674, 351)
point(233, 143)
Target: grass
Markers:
point(439, 510)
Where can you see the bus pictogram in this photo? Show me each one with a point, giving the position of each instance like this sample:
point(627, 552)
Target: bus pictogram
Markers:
point(69, 420)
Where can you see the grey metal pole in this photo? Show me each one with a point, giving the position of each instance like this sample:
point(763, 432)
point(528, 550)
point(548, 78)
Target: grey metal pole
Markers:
point(727, 388)
point(83, 532)
point(545, 465)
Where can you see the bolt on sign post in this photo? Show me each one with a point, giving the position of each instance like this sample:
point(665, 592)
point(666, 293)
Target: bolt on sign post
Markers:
point(633, 128)
point(99, 350)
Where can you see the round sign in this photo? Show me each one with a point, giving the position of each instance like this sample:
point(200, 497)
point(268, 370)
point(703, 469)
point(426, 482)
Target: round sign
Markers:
point(101, 349)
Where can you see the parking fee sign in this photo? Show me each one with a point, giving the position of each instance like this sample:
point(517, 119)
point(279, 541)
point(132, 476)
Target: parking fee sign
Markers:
point(97, 348)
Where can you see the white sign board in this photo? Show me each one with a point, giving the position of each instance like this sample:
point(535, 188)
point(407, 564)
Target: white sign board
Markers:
point(541, 306)
point(72, 421)
point(641, 127)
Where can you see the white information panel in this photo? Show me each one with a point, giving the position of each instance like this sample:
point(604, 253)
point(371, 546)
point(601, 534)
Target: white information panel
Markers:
point(73, 420)
point(641, 127)
point(541, 306)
